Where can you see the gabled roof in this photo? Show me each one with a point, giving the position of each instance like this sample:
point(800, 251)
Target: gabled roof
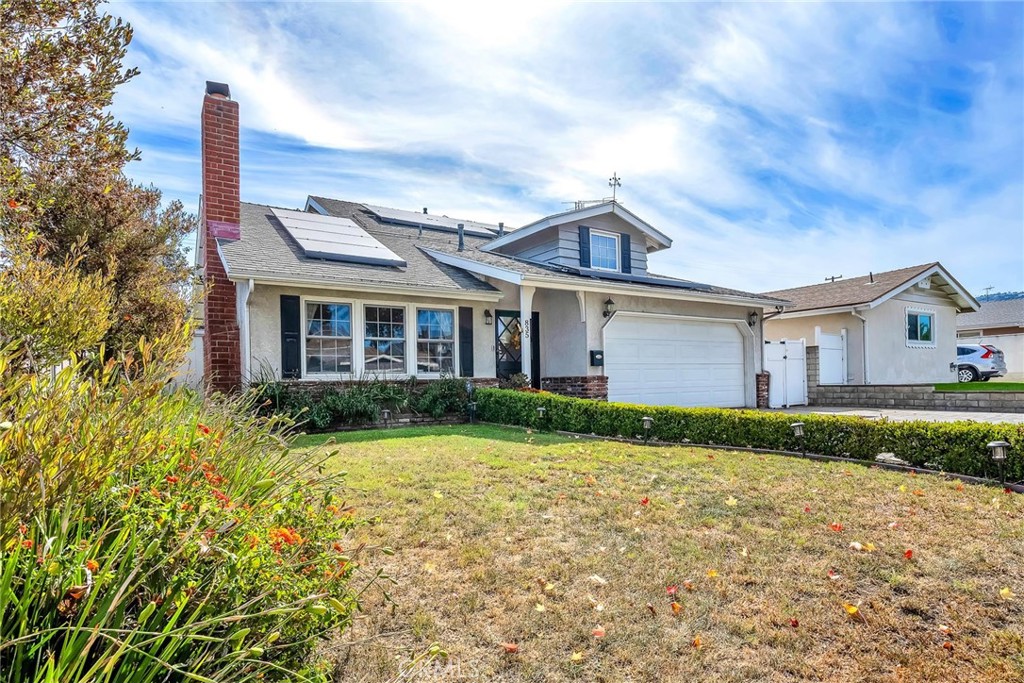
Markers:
point(267, 252)
point(1005, 313)
point(871, 290)
point(660, 240)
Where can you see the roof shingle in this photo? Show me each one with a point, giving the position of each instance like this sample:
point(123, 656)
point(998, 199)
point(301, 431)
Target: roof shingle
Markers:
point(848, 292)
point(1005, 313)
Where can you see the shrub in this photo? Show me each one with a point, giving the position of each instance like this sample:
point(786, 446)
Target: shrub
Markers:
point(153, 536)
point(441, 397)
point(953, 447)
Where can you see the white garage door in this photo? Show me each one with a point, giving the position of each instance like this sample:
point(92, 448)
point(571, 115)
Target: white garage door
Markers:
point(664, 361)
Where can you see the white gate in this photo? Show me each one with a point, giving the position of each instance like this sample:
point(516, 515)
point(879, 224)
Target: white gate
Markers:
point(786, 362)
point(831, 357)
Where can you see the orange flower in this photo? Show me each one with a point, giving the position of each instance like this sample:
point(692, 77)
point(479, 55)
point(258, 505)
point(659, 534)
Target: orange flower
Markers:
point(171, 479)
point(202, 429)
point(835, 526)
point(92, 565)
point(27, 543)
point(338, 547)
point(13, 203)
point(22, 529)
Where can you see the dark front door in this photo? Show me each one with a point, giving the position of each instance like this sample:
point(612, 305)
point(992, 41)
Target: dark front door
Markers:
point(509, 345)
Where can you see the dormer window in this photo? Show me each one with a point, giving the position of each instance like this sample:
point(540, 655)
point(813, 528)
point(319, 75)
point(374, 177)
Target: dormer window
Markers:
point(604, 250)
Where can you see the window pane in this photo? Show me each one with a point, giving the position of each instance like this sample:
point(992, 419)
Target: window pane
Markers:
point(924, 323)
point(435, 357)
point(384, 343)
point(912, 326)
point(328, 338)
point(604, 252)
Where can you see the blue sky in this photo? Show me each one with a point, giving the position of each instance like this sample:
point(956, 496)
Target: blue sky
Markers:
point(777, 144)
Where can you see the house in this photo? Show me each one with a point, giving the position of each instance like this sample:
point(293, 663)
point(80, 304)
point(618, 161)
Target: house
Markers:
point(897, 327)
point(337, 290)
point(1001, 324)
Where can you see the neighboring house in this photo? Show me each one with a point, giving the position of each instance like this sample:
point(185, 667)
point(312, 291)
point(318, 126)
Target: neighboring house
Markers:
point(340, 291)
point(1001, 324)
point(897, 327)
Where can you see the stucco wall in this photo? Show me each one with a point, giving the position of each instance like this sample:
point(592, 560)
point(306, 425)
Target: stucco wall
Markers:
point(563, 336)
point(891, 361)
point(777, 329)
point(265, 325)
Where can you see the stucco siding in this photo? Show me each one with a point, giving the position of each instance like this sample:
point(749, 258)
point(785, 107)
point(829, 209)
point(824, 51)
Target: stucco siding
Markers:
point(892, 361)
point(265, 326)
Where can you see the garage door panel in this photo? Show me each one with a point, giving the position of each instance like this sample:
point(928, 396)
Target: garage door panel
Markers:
point(661, 361)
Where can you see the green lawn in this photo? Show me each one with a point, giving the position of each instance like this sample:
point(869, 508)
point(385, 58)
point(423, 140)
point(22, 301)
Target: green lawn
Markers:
point(511, 540)
point(981, 386)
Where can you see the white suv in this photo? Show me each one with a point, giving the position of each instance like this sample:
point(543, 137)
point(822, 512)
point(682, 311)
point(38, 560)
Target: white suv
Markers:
point(979, 362)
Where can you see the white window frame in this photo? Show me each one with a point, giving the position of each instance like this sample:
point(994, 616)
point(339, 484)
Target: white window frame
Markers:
point(914, 343)
point(306, 374)
point(359, 338)
point(618, 250)
point(455, 338)
point(387, 374)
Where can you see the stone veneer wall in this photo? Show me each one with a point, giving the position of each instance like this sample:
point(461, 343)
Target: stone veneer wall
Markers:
point(906, 396)
point(583, 386)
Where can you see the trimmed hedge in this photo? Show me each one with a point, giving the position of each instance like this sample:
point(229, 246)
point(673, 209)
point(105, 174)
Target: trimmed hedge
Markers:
point(958, 447)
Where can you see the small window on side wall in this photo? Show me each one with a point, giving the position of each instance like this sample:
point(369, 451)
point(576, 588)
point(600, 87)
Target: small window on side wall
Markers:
point(920, 328)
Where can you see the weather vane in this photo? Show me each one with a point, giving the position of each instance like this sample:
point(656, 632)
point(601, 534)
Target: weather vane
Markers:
point(614, 182)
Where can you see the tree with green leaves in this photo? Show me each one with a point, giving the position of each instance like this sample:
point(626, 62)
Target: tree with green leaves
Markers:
point(62, 162)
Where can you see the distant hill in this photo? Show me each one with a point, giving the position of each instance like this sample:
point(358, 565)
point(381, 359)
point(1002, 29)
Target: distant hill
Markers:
point(1001, 296)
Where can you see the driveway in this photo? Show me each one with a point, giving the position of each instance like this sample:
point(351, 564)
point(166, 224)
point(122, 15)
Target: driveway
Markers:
point(908, 415)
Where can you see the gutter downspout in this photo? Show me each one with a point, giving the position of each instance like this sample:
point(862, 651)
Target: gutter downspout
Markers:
point(247, 357)
point(864, 350)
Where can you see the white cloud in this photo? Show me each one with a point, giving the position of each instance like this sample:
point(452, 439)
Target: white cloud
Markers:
point(729, 124)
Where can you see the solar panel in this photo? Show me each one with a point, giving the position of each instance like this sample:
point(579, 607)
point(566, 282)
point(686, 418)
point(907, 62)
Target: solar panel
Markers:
point(416, 219)
point(335, 239)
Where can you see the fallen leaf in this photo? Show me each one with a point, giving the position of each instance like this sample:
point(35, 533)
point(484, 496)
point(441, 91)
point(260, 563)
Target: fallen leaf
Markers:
point(671, 590)
point(576, 657)
point(712, 573)
point(959, 486)
point(944, 628)
point(744, 553)
point(594, 578)
point(438, 495)
point(908, 553)
point(856, 546)
point(676, 608)
point(903, 488)
point(807, 509)
point(834, 575)
point(852, 610)
point(894, 525)
point(835, 526)
point(918, 492)
point(731, 502)
point(1008, 491)
point(794, 623)
point(540, 607)
point(947, 645)
point(696, 642)
point(548, 587)
point(645, 501)
point(870, 547)
point(688, 585)
point(650, 608)
point(510, 648)
point(429, 567)
point(1007, 594)
point(599, 631)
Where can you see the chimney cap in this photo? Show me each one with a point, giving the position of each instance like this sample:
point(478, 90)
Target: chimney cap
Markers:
point(215, 88)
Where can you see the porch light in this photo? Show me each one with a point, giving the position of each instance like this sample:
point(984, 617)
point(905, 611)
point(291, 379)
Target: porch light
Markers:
point(998, 450)
point(648, 422)
point(386, 416)
point(798, 432)
point(752, 318)
point(488, 317)
point(609, 307)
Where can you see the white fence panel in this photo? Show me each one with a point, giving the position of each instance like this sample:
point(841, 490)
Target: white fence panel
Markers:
point(786, 362)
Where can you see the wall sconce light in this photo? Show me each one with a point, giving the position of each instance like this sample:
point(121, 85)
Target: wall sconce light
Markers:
point(752, 318)
point(798, 432)
point(609, 307)
point(648, 422)
point(488, 318)
point(998, 450)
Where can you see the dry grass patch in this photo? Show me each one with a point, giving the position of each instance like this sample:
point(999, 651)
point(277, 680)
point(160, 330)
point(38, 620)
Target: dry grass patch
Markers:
point(513, 548)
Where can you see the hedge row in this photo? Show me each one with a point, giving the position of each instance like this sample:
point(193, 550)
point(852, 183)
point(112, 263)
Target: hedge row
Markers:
point(958, 447)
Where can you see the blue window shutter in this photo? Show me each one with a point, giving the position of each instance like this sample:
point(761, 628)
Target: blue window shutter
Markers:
point(291, 328)
point(626, 265)
point(465, 341)
point(584, 246)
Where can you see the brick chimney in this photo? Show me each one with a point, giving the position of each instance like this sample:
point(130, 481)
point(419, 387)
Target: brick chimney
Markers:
point(222, 358)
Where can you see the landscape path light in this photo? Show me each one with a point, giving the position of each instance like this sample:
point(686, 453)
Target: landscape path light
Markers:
point(998, 450)
point(540, 415)
point(798, 432)
point(386, 416)
point(648, 422)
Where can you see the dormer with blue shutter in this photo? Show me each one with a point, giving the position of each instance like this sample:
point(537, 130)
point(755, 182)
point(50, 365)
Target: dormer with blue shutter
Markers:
point(602, 240)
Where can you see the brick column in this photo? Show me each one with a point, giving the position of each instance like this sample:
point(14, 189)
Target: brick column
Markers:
point(222, 359)
point(763, 381)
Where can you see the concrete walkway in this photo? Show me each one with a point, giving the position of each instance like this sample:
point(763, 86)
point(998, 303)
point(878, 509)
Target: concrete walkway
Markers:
point(908, 415)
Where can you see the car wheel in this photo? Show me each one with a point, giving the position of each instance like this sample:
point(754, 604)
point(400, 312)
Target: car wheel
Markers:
point(966, 374)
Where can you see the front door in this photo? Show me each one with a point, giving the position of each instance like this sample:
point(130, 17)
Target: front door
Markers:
point(509, 345)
